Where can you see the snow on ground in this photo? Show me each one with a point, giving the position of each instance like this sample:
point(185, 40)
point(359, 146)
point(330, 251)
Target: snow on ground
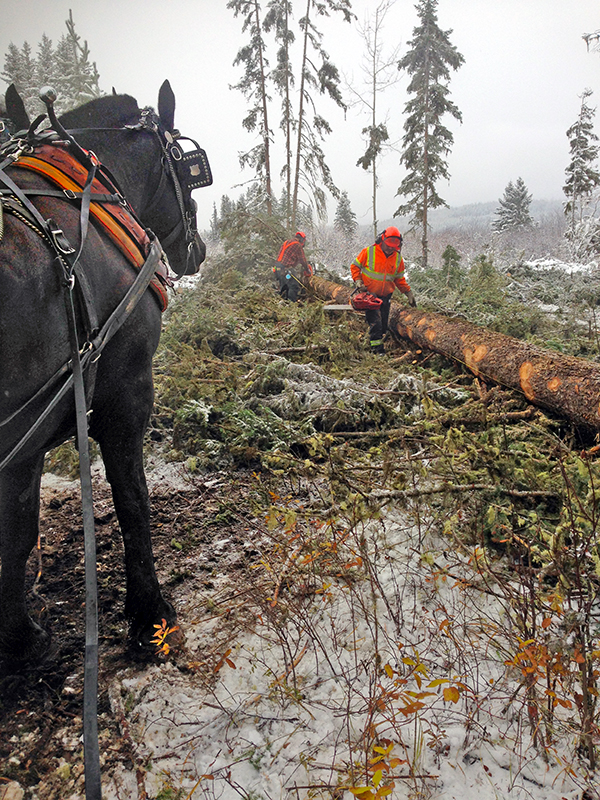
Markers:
point(548, 264)
point(402, 672)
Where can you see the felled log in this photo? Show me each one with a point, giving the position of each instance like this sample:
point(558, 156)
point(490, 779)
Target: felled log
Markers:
point(564, 385)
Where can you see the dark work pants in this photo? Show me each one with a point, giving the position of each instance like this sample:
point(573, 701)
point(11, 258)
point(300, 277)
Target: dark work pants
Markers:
point(289, 288)
point(377, 320)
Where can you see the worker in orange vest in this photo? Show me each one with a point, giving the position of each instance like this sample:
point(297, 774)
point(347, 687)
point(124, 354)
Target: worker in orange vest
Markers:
point(379, 269)
point(292, 268)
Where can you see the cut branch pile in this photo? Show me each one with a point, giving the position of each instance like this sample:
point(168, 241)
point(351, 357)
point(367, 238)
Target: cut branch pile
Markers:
point(564, 385)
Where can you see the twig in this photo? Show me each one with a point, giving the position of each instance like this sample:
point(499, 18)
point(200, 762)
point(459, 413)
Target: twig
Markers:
point(380, 494)
point(310, 348)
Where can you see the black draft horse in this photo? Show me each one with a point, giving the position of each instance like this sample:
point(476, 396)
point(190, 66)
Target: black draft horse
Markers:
point(34, 345)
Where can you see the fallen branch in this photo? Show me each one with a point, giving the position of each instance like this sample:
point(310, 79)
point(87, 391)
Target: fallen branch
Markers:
point(453, 488)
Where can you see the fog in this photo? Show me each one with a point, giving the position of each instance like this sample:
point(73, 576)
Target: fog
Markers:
point(525, 68)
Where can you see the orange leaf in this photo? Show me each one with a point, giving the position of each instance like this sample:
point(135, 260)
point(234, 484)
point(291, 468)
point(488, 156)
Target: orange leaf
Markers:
point(451, 694)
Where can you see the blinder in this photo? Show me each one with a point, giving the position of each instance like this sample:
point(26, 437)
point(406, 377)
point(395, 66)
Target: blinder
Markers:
point(192, 167)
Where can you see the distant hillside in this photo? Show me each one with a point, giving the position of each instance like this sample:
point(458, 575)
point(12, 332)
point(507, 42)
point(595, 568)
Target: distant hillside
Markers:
point(475, 214)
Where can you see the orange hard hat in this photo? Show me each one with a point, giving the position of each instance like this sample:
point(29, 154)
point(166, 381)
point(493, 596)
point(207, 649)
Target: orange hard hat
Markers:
point(300, 235)
point(392, 237)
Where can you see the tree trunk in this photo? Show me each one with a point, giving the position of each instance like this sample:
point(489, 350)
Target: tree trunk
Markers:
point(266, 133)
point(300, 117)
point(564, 385)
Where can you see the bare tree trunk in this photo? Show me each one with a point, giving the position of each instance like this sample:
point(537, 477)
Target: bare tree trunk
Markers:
point(288, 130)
point(564, 385)
point(300, 118)
point(266, 133)
point(424, 240)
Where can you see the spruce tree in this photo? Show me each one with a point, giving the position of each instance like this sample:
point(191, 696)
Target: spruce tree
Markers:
point(513, 212)
point(19, 68)
point(451, 267)
point(44, 63)
point(253, 86)
point(310, 169)
point(345, 218)
point(582, 175)
point(427, 141)
point(76, 77)
point(277, 19)
point(67, 69)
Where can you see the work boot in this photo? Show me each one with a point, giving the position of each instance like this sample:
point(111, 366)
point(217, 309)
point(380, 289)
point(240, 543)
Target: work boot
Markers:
point(379, 350)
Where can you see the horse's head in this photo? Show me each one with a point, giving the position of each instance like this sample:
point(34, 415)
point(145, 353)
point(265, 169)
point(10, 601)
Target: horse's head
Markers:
point(141, 150)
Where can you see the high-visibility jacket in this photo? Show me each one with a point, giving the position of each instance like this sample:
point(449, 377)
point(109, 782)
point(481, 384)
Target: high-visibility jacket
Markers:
point(381, 274)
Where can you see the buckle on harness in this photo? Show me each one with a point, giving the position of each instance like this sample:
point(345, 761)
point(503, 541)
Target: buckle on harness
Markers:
point(69, 194)
point(59, 240)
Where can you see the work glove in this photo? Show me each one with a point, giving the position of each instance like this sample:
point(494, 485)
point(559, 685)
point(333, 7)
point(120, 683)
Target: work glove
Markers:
point(360, 284)
point(412, 300)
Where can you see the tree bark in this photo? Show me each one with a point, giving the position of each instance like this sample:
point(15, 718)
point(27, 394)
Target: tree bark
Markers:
point(564, 385)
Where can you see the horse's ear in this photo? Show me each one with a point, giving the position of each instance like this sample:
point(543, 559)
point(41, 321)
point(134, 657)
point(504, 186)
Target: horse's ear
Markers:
point(166, 106)
point(114, 92)
point(15, 108)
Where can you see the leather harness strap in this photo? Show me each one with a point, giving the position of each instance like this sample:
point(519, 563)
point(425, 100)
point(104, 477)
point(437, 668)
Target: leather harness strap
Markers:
point(115, 215)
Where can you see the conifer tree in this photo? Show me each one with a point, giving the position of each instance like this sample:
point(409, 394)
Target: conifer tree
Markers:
point(451, 267)
point(76, 77)
point(13, 67)
point(214, 225)
point(253, 86)
point(427, 141)
point(311, 169)
point(345, 218)
point(19, 68)
point(29, 92)
point(67, 69)
point(277, 19)
point(582, 175)
point(86, 86)
point(513, 211)
point(44, 63)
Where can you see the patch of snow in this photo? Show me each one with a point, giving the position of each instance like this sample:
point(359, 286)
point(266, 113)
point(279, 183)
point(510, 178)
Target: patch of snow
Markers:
point(548, 264)
point(297, 697)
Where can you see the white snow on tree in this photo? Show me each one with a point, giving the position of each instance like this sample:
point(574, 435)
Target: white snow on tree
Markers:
point(345, 218)
point(67, 68)
point(592, 41)
point(513, 212)
point(582, 174)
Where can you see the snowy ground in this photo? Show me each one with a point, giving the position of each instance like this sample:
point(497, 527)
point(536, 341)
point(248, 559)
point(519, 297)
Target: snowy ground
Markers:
point(400, 677)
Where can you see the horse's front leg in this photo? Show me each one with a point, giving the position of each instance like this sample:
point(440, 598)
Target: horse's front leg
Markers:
point(21, 640)
point(123, 458)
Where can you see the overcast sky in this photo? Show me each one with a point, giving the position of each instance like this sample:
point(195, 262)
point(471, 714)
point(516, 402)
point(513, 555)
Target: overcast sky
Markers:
point(519, 89)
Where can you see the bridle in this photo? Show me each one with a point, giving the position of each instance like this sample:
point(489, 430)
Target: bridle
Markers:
point(182, 169)
point(172, 154)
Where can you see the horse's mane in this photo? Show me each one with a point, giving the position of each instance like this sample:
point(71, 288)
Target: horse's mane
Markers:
point(111, 111)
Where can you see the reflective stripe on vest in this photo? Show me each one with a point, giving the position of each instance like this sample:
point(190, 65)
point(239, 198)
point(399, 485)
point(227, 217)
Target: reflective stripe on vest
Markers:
point(370, 272)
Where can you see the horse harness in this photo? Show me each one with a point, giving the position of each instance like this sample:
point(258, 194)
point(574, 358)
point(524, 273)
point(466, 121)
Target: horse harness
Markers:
point(80, 177)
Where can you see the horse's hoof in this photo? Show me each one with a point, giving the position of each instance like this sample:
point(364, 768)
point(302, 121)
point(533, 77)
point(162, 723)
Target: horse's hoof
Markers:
point(157, 636)
point(18, 651)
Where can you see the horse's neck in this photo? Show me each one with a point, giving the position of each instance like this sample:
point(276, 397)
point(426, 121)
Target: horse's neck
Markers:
point(134, 179)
